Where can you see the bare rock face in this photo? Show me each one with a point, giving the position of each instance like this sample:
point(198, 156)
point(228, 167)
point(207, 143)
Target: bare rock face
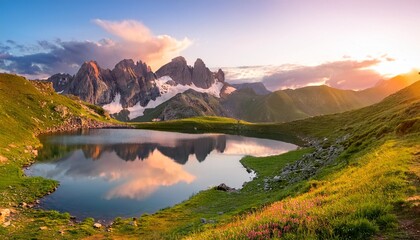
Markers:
point(135, 83)
point(183, 74)
point(61, 81)
point(93, 84)
point(220, 76)
point(202, 76)
point(178, 70)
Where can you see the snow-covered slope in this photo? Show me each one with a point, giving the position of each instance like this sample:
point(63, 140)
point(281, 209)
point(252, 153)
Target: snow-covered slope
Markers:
point(168, 89)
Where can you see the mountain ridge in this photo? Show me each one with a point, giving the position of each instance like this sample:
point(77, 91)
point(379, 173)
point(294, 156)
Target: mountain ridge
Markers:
point(133, 85)
point(293, 104)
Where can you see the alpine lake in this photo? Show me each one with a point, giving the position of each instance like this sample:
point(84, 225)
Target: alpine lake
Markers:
point(109, 173)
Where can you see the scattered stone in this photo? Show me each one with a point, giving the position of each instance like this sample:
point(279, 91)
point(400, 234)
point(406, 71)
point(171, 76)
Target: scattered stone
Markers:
point(43, 228)
point(97, 225)
point(134, 222)
point(310, 164)
point(109, 229)
point(62, 110)
point(23, 205)
point(3, 159)
point(37, 201)
point(6, 224)
point(220, 213)
point(211, 221)
point(203, 220)
point(35, 152)
point(224, 187)
point(4, 214)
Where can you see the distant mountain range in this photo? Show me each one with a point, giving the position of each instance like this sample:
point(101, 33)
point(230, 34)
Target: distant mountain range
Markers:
point(131, 91)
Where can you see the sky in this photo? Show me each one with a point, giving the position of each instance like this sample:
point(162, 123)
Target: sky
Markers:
point(346, 44)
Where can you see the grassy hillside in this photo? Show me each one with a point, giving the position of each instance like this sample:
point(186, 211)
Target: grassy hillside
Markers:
point(288, 105)
point(26, 109)
point(358, 178)
point(184, 105)
point(371, 189)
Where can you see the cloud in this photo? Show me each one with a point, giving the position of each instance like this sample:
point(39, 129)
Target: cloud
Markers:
point(343, 74)
point(347, 74)
point(133, 41)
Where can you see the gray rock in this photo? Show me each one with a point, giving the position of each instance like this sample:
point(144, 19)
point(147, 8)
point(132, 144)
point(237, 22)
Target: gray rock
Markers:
point(183, 74)
point(178, 70)
point(60, 81)
point(135, 83)
point(97, 225)
point(92, 84)
point(224, 187)
point(202, 77)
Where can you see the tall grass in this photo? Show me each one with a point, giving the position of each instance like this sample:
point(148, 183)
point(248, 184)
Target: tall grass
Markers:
point(354, 203)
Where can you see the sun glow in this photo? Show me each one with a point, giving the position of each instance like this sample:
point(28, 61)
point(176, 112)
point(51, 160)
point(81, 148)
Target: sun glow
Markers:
point(395, 67)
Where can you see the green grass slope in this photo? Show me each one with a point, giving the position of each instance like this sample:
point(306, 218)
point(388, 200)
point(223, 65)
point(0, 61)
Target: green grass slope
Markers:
point(370, 190)
point(184, 105)
point(288, 105)
point(26, 109)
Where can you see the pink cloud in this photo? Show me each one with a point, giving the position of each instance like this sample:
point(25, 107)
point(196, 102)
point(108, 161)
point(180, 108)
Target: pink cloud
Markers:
point(346, 74)
point(133, 40)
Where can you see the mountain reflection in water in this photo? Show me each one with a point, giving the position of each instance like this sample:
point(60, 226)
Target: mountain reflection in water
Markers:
point(128, 172)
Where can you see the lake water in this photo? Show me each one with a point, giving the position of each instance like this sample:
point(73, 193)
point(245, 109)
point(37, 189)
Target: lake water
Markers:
point(106, 173)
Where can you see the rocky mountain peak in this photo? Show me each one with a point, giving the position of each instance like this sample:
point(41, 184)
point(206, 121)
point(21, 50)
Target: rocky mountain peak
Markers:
point(220, 75)
point(199, 63)
point(126, 63)
point(179, 59)
point(181, 73)
point(90, 67)
point(91, 84)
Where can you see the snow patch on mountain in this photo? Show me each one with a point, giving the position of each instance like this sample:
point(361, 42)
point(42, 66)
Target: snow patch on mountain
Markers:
point(168, 89)
point(114, 106)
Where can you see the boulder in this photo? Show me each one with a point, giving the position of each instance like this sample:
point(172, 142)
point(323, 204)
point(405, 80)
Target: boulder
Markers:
point(4, 215)
point(224, 187)
point(97, 225)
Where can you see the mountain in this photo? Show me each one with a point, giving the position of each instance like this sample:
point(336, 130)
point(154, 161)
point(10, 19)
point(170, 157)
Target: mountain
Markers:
point(131, 91)
point(183, 105)
point(286, 105)
point(257, 87)
point(130, 87)
point(199, 75)
point(130, 82)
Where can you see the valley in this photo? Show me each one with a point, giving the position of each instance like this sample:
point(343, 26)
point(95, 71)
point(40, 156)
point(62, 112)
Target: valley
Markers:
point(343, 157)
point(209, 120)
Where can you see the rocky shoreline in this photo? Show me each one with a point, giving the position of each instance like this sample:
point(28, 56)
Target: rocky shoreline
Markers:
point(323, 155)
point(77, 123)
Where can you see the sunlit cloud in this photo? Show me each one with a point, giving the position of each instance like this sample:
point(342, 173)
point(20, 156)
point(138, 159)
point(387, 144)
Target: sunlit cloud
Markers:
point(343, 74)
point(133, 40)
